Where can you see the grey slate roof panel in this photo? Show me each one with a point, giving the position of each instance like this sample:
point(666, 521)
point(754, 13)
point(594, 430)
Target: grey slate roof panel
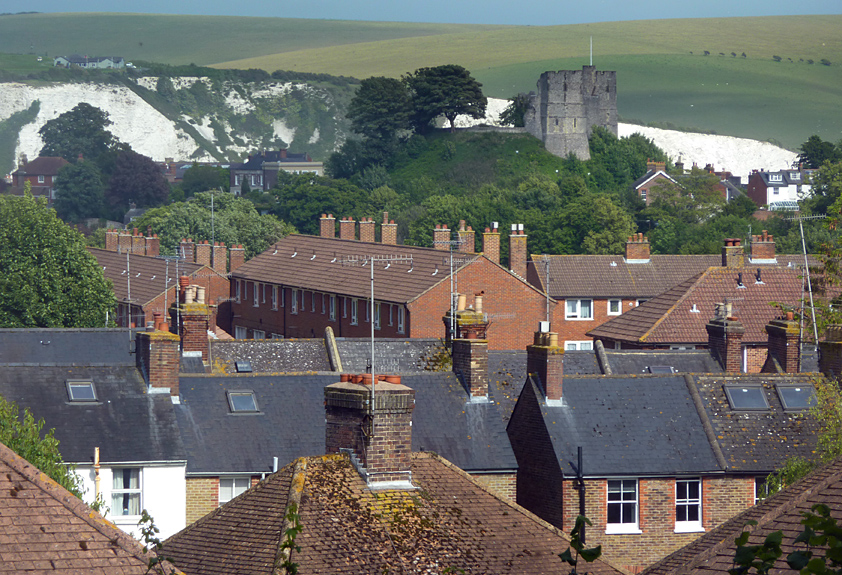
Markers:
point(629, 426)
point(682, 361)
point(581, 363)
point(506, 375)
point(391, 355)
point(74, 346)
point(126, 423)
point(272, 356)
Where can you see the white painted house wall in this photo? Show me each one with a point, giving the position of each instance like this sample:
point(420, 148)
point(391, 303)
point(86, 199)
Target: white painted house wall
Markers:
point(163, 493)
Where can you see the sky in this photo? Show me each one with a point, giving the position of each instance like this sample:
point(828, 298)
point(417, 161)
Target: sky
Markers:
point(521, 12)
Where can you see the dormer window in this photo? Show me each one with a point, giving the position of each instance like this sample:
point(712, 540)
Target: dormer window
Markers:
point(776, 177)
point(796, 397)
point(746, 397)
point(81, 390)
point(242, 402)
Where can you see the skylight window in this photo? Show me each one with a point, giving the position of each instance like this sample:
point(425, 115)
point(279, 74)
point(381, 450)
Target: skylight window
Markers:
point(243, 366)
point(662, 369)
point(796, 397)
point(79, 390)
point(746, 397)
point(242, 402)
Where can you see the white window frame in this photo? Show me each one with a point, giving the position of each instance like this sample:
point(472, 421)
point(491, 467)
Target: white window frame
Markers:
point(573, 309)
point(643, 194)
point(263, 293)
point(344, 307)
point(354, 312)
point(240, 332)
point(256, 292)
point(41, 179)
point(687, 501)
point(232, 487)
point(377, 315)
point(401, 319)
point(619, 303)
point(258, 334)
point(622, 527)
point(332, 308)
point(274, 297)
point(324, 307)
point(367, 311)
point(391, 315)
point(584, 345)
point(116, 510)
point(238, 290)
point(293, 301)
point(236, 179)
point(312, 302)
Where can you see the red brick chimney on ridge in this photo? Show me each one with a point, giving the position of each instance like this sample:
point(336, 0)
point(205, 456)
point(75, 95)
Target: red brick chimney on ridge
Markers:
point(545, 363)
point(469, 349)
point(637, 249)
point(388, 231)
point(491, 243)
point(725, 338)
point(784, 335)
point(517, 251)
point(763, 249)
point(327, 226)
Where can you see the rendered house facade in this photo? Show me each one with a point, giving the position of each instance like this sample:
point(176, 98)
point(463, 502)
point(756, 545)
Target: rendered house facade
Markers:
point(784, 186)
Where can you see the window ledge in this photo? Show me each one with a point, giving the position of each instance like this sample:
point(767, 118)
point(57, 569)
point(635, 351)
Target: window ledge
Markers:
point(619, 530)
point(579, 318)
point(689, 529)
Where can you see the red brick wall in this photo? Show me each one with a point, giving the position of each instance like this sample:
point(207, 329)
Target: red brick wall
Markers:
point(202, 497)
point(504, 484)
point(756, 189)
point(575, 329)
point(159, 359)
point(755, 358)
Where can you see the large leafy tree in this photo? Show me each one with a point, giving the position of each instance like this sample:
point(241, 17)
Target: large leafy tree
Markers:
point(815, 152)
point(233, 221)
point(79, 132)
point(79, 192)
point(204, 178)
point(380, 108)
point(447, 91)
point(301, 199)
point(136, 179)
point(48, 278)
point(515, 113)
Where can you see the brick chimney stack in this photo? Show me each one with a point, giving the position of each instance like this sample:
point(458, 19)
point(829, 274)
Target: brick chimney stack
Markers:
point(327, 226)
point(186, 250)
point(367, 228)
point(111, 240)
point(378, 432)
point(725, 338)
point(469, 349)
point(192, 316)
point(517, 251)
point(124, 242)
point(388, 231)
point(441, 235)
point(652, 166)
point(545, 362)
point(220, 258)
point(153, 244)
point(763, 249)
point(347, 229)
point(830, 352)
point(467, 237)
point(732, 253)
point(237, 257)
point(637, 249)
point(784, 335)
point(138, 243)
point(203, 253)
point(491, 243)
point(158, 358)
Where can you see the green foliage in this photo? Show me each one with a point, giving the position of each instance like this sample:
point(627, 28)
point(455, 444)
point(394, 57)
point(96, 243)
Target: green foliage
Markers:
point(79, 132)
point(9, 130)
point(158, 562)
point(135, 180)
point(25, 437)
point(301, 199)
point(380, 108)
point(577, 544)
point(48, 279)
point(288, 544)
point(235, 221)
point(815, 152)
point(515, 112)
point(79, 192)
point(761, 558)
point(204, 178)
point(448, 91)
point(794, 469)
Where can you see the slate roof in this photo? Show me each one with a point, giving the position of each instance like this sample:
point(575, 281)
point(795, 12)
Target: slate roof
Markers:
point(651, 175)
point(610, 276)
point(506, 374)
point(713, 552)
point(679, 315)
point(291, 423)
point(148, 274)
point(44, 528)
point(788, 177)
point(391, 355)
point(758, 441)
point(256, 161)
point(450, 522)
point(42, 166)
point(632, 362)
point(620, 422)
point(271, 356)
point(68, 346)
point(327, 273)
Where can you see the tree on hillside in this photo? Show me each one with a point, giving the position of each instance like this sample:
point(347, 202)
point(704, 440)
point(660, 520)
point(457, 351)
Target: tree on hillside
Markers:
point(596, 225)
point(136, 179)
point(234, 221)
point(815, 151)
point(79, 132)
point(301, 199)
point(447, 91)
point(515, 112)
point(380, 108)
point(204, 178)
point(49, 279)
point(79, 192)
point(826, 189)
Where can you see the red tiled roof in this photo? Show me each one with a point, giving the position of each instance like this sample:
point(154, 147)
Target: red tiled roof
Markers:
point(449, 522)
point(318, 265)
point(680, 314)
point(713, 553)
point(42, 166)
point(44, 528)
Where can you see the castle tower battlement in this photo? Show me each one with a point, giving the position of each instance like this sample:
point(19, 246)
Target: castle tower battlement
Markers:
point(568, 105)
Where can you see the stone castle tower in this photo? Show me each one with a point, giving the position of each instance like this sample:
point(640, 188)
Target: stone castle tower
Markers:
point(568, 105)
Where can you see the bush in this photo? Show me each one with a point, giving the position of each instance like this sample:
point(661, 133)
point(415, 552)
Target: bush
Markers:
point(824, 62)
point(777, 58)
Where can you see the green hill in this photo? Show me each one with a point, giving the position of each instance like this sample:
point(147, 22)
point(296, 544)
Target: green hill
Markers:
point(664, 76)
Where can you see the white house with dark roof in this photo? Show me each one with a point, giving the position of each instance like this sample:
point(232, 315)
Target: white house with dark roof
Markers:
point(770, 188)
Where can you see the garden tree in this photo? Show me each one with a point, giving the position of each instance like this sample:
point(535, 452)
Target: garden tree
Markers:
point(24, 436)
point(79, 132)
point(815, 152)
point(373, 177)
point(593, 224)
point(79, 192)
point(234, 221)
point(695, 198)
point(204, 178)
point(301, 199)
point(617, 162)
point(448, 91)
point(49, 279)
point(514, 114)
point(826, 189)
point(380, 108)
point(136, 179)
point(742, 206)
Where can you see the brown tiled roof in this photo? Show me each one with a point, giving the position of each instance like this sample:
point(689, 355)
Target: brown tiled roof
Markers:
point(611, 276)
point(326, 272)
point(680, 314)
point(44, 528)
point(148, 274)
point(450, 522)
point(42, 166)
point(713, 553)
